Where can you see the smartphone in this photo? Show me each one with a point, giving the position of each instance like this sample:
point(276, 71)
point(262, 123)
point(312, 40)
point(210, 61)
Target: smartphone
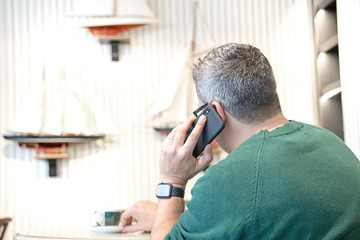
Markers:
point(213, 126)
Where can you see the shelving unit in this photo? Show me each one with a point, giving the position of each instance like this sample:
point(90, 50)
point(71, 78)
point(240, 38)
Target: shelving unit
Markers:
point(50, 148)
point(327, 66)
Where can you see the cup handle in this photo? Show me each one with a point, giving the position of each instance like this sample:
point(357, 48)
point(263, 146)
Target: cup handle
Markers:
point(100, 218)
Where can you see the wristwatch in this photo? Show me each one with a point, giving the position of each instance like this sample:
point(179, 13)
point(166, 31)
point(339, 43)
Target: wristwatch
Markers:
point(167, 190)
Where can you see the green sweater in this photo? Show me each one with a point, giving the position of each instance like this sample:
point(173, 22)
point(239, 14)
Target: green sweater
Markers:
point(295, 182)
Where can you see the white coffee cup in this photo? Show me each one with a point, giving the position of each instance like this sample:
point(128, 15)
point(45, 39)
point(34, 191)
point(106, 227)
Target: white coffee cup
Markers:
point(108, 217)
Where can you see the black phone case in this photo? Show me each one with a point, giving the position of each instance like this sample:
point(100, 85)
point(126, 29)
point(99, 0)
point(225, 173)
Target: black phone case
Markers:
point(214, 125)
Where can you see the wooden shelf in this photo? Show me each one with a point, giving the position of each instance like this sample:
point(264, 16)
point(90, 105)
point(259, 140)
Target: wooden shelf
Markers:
point(325, 26)
point(327, 66)
point(322, 4)
point(331, 86)
point(330, 43)
point(52, 138)
point(50, 147)
point(163, 131)
point(331, 111)
point(47, 156)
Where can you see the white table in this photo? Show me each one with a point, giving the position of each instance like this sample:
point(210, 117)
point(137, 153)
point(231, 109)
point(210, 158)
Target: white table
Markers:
point(118, 236)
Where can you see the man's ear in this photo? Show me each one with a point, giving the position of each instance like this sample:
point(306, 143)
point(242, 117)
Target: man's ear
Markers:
point(220, 110)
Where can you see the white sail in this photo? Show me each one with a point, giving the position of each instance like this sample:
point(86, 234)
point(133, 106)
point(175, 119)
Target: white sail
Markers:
point(203, 38)
point(66, 112)
point(170, 102)
point(29, 118)
point(133, 8)
point(52, 114)
point(93, 8)
point(175, 98)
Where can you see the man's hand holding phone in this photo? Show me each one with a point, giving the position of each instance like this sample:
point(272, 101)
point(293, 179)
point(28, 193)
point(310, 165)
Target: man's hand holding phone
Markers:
point(177, 163)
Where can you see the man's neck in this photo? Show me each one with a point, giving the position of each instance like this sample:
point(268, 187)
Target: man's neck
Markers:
point(240, 131)
point(272, 123)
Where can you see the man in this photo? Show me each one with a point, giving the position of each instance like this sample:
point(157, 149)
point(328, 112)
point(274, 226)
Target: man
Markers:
point(281, 179)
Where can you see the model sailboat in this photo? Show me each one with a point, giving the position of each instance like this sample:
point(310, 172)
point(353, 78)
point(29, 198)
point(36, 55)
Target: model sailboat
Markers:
point(110, 17)
point(175, 98)
point(67, 112)
point(49, 122)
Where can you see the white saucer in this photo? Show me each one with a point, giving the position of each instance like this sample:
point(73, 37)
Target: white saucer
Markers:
point(105, 229)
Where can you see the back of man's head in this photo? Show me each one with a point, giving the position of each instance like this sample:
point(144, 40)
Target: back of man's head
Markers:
point(241, 79)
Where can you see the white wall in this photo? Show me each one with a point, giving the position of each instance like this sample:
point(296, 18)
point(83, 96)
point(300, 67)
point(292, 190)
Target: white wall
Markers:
point(349, 51)
point(123, 168)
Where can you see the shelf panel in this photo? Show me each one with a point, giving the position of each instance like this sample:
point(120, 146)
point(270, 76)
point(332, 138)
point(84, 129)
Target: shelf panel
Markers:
point(163, 131)
point(331, 115)
point(119, 39)
point(330, 86)
point(48, 156)
point(322, 4)
point(50, 147)
point(52, 139)
point(325, 26)
point(327, 65)
point(330, 43)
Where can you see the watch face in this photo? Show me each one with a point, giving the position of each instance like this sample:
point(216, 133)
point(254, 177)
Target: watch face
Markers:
point(163, 190)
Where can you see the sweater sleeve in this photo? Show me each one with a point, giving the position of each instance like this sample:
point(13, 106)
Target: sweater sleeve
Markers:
point(214, 203)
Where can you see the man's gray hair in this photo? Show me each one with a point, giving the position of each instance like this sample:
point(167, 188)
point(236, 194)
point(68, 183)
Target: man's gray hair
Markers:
point(241, 79)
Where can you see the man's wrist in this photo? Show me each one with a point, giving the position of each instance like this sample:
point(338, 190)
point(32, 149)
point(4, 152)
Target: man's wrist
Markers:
point(167, 190)
point(175, 183)
point(168, 213)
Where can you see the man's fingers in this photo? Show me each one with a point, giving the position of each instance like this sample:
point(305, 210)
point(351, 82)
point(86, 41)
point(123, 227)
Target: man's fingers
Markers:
point(206, 159)
point(180, 131)
point(125, 217)
point(131, 228)
point(195, 134)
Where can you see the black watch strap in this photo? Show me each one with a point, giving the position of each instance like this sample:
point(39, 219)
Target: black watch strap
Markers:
point(178, 192)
